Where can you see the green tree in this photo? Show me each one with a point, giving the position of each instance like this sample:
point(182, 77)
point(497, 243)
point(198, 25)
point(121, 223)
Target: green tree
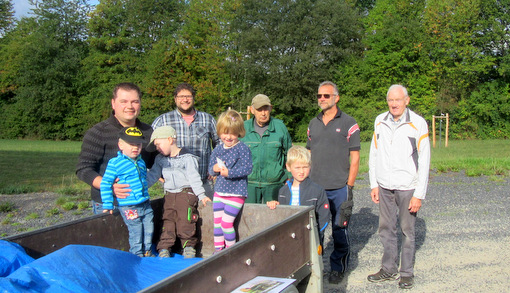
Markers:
point(286, 48)
point(6, 62)
point(493, 36)
point(453, 28)
point(122, 34)
point(197, 55)
point(6, 16)
point(12, 44)
point(50, 51)
point(394, 53)
point(485, 113)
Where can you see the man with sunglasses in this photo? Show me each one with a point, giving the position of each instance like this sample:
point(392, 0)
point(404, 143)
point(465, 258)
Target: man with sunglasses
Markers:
point(334, 142)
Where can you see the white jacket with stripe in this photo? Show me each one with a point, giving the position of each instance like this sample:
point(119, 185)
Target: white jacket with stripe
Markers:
point(400, 155)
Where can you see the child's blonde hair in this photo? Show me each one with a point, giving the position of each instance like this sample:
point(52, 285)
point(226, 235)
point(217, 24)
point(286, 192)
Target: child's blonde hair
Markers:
point(298, 154)
point(231, 121)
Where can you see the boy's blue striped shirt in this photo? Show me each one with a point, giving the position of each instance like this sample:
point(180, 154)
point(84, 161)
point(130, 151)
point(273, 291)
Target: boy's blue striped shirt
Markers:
point(129, 171)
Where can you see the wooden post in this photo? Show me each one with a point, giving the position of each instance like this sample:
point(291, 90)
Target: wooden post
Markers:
point(433, 131)
point(248, 113)
point(446, 136)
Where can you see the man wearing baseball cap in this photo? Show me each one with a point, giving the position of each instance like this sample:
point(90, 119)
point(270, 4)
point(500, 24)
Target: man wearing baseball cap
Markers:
point(269, 140)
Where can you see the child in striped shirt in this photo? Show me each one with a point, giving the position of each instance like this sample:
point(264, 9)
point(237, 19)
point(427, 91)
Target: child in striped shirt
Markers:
point(136, 211)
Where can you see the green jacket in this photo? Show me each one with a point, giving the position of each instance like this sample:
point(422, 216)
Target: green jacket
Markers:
point(269, 152)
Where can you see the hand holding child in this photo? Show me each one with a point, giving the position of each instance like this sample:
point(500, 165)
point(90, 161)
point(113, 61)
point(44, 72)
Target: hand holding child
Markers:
point(121, 190)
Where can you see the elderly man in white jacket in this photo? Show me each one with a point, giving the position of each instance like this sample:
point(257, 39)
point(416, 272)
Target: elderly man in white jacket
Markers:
point(399, 169)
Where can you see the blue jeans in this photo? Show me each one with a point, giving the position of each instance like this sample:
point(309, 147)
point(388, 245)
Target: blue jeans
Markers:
point(97, 207)
point(339, 258)
point(138, 219)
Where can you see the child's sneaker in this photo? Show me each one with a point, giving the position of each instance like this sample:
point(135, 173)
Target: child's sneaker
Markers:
point(148, 253)
point(189, 252)
point(164, 253)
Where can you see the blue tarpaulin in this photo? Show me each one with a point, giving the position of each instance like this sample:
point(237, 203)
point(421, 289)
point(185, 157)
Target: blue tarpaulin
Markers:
point(84, 268)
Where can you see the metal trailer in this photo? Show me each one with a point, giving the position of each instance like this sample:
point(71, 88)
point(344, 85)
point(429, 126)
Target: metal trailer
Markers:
point(281, 243)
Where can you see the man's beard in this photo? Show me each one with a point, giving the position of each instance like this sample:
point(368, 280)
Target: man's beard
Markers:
point(190, 111)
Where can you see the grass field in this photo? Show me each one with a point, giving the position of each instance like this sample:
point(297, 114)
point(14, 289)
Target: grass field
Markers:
point(30, 166)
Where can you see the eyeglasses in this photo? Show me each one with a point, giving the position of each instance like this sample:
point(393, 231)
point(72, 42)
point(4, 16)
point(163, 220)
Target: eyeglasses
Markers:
point(184, 97)
point(326, 96)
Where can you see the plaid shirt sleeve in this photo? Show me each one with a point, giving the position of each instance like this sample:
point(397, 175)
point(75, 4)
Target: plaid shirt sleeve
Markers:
point(199, 138)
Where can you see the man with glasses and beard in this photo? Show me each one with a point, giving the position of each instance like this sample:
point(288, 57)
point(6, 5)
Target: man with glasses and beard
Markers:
point(196, 130)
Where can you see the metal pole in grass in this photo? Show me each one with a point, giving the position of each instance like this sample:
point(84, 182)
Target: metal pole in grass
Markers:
point(443, 116)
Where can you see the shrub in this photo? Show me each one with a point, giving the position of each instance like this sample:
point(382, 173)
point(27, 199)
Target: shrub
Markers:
point(32, 216)
point(52, 212)
point(69, 206)
point(61, 201)
point(6, 207)
point(83, 205)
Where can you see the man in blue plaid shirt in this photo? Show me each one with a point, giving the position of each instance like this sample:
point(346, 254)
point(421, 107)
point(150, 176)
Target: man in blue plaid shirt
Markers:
point(195, 130)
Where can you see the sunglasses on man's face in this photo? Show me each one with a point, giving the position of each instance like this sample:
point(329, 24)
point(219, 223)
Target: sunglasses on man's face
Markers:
point(326, 96)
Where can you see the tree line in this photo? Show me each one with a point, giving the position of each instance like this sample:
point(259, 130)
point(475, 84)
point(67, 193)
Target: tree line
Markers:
point(59, 64)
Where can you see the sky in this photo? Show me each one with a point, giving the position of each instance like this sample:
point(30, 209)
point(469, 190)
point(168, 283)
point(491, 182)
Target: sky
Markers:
point(22, 7)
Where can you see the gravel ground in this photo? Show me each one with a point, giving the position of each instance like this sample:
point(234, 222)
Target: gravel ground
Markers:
point(462, 238)
point(462, 235)
point(18, 220)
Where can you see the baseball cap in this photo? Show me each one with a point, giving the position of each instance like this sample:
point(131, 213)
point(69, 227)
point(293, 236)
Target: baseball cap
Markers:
point(260, 100)
point(132, 135)
point(160, 132)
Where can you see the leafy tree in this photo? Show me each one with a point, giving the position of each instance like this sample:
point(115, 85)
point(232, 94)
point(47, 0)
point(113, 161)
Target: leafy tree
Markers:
point(122, 34)
point(394, 53)
point(11, 46)
point(493, 36)
point(6, 63)
point(6, 16)
point(453, 27)
point(198, 55)
point(287, 47)
point(485, 113)
point(51, 46)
